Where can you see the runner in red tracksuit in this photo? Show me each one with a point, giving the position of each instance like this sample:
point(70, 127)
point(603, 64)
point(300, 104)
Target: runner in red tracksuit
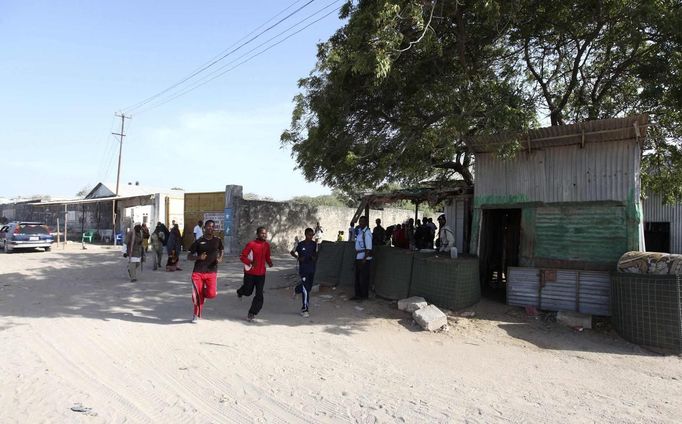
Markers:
point(254, 256)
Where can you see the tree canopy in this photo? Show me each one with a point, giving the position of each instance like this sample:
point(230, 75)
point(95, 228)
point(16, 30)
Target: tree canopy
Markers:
point(398, 88)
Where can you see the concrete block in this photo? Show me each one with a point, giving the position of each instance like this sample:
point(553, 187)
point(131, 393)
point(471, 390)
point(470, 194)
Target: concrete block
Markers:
point(430, 318)
point(411, 304)
point(574, 319)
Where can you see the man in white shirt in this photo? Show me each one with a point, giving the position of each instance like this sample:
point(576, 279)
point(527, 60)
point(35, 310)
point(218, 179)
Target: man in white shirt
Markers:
point(198, 231)
point(445, 235)
point(363, 259)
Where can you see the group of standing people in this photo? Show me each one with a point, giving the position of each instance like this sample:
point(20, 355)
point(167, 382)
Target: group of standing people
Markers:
point(138, 241)
point(411, 234)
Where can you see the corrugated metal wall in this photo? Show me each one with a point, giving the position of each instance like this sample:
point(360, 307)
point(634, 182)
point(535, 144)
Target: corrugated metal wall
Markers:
point(456, 215)
point(598, 171)
point(655, 211)
point(572, 290)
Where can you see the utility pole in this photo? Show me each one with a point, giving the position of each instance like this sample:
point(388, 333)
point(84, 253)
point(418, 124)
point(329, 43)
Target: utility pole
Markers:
point(120, 146)
point(118, 172)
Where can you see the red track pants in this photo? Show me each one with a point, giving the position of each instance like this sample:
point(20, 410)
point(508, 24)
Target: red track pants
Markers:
point(205, 287)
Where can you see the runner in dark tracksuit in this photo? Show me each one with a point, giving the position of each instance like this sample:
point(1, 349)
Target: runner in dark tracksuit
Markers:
point(306, 253)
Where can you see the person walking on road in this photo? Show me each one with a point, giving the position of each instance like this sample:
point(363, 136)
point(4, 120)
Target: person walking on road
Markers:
point(206, 252)
point(174, 246)
point(254, 257)
point(134, 251)
point(157, 238)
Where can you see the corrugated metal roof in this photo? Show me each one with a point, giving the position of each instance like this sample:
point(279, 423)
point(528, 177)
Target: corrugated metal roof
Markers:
point(599, 171)
point(103, 190)
point(582, 133)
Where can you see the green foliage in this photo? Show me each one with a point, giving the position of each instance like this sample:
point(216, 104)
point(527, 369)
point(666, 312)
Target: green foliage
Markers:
point(84, 191)
point(381, 107)
point(403, 83)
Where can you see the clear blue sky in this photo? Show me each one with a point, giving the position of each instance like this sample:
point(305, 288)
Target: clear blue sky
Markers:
point(66, 67)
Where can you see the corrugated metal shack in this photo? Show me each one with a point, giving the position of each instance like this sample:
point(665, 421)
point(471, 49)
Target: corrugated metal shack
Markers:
point(567, 199)
point(662, 225)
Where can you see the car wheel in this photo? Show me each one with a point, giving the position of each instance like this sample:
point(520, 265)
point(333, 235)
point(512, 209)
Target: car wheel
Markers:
point(47, 249)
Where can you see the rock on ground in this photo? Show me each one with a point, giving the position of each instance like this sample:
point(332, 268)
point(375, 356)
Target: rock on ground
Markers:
point(430, 318)
point(411, 304)
point(574, 319)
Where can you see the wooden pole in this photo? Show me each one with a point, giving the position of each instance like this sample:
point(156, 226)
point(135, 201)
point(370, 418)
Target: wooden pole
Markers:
point(66, 218)
point(118, 171)
point(113, 222)
point(58, 238)
point(83, 225)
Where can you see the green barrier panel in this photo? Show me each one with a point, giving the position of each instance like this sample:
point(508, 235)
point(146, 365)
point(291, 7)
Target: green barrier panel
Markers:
point(347, 272)
point(450, 283)
point(393, 272)
point(329, 259)
point(647, 309)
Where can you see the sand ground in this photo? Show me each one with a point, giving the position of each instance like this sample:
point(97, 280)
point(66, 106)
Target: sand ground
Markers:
point(75, 332)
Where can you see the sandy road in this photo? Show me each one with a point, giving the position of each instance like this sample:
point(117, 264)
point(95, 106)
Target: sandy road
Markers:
point(73, 330)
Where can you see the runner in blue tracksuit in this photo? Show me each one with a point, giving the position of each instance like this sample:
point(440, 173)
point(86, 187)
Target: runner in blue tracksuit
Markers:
point(306, 253)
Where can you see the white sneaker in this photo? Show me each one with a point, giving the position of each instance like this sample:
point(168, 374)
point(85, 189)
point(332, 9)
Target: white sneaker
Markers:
point(195, 319)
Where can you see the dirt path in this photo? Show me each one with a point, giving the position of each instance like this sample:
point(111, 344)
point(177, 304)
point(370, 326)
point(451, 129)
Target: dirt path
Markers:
point(74, 331)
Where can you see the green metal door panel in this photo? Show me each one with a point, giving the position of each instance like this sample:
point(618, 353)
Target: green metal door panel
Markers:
point(581, 233)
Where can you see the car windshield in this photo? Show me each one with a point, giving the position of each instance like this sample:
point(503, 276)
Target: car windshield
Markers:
point(33, 229)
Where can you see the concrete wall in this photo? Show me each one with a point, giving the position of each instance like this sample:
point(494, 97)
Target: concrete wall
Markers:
point(134, 210)
point(287, 220)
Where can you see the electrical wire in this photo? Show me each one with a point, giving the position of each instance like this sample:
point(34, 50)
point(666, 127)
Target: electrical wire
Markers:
point(220, 72)
point(130, 109)
point(107, 151)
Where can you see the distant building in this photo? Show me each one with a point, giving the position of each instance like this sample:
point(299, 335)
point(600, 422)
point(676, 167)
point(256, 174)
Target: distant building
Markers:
point(96, 212)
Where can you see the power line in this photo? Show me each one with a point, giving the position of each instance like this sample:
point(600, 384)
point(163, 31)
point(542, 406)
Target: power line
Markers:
point(250, 33)
point(213, 62)
point(214, 76)
point(106, 151)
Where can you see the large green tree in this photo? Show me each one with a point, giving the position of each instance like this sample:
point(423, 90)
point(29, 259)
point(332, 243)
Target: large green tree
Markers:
point(608, 58)
point(397, 89)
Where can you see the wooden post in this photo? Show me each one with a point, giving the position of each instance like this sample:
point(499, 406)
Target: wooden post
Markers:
point(58, 238)
point(113, 222)
point(66, 218)
point(83, 225)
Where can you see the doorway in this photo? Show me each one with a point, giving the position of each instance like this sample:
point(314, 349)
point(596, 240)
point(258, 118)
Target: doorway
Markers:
point(657, 237)
point(500, 241)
